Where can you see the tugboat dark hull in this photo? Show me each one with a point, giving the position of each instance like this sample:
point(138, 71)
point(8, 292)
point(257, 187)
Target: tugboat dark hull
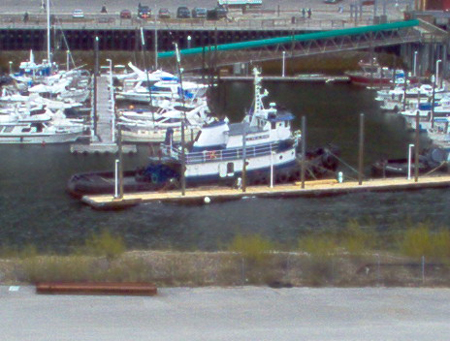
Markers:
point(104, 183)
point(320, 163)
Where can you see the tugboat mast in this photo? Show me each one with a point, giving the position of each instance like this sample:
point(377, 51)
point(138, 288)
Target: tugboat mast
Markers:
point(49, 56)
point(183, 118)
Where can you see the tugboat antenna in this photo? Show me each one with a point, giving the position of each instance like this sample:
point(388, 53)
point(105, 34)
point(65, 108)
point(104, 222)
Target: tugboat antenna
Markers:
point(183, 155)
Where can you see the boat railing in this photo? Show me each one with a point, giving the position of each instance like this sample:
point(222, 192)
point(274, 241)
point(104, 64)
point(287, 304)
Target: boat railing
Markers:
point(220, 154)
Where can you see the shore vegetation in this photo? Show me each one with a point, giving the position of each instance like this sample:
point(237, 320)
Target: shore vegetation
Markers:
point(417, 255)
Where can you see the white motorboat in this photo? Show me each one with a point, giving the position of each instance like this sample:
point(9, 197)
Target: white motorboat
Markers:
point(396, 105)
point(441, 108)
point(72, 86)
point(398, 93)
point(40, 132)
point(153, 127)
point(162, 90)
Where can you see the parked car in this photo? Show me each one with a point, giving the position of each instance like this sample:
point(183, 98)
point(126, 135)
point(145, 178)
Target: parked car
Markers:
point(199, 12)
point(164, 13)
point(183, 12)
point(125, 14)
point(217, 13)
point(144, 12)
point(78, 13)
point(331, 1)
point(221, 12)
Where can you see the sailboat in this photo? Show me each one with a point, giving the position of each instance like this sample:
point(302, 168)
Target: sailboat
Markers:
point(30, 72)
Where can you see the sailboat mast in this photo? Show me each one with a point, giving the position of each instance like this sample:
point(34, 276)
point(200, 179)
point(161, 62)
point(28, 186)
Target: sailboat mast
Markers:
point(156, 42)
point(48, 33)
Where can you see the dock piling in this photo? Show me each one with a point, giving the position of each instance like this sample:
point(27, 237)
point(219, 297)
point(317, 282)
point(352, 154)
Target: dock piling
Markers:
point(116, 179)
point(119, 136)
point(361, 148)
point(411, 145)
point(302, 169)
point(416, 150)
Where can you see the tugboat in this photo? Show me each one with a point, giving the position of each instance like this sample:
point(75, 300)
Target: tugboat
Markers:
point(264, 139)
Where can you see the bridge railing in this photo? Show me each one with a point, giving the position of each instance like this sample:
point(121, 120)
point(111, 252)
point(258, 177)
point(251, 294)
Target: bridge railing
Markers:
point(112, 22)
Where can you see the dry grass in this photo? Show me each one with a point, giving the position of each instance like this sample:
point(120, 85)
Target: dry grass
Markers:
point(171, 268)
point(419, 255)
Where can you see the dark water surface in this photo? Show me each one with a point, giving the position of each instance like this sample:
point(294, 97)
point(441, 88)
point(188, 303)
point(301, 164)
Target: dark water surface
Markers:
point(35, 208)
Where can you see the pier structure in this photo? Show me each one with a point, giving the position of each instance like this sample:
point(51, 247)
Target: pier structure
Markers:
point(292, 39)
point(271, 20)
point(295, 45)
point(103, 121)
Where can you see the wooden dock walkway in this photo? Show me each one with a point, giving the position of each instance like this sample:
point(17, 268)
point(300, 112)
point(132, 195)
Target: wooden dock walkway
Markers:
point(105, 111)
point(105, 120)
point(308, 78)
point(312, 189)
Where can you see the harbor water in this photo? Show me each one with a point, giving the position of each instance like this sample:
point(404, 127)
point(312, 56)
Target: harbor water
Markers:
point(35, 209)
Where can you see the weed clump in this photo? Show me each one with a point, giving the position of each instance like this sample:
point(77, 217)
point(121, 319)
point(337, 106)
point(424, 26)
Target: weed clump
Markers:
point(420, 241)
point(355, 240)
point(253, 248)
point(104, 244)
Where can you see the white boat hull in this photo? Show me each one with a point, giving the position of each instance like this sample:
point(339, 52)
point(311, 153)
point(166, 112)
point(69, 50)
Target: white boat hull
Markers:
point(39, 138)
point(157, 135)
point(223, 169)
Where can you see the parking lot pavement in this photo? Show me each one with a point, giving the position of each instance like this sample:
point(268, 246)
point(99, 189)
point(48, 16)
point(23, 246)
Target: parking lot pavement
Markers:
point(320, 10)
point(243, 313)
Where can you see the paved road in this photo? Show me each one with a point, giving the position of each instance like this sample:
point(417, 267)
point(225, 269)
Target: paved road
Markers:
point(248, 313)
point(114, 6)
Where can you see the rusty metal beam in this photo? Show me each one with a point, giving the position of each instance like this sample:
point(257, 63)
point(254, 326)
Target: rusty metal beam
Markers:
point(73, 288)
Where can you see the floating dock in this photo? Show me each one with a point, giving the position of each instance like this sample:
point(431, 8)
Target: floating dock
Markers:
point(315, 188)
point(307, 78)
point(321, 78)
point(105, 131)
point(102, 148)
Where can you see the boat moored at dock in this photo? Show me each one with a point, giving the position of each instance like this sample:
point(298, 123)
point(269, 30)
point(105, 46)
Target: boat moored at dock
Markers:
point(373, 75)
point(40, 132)
point(262, 149)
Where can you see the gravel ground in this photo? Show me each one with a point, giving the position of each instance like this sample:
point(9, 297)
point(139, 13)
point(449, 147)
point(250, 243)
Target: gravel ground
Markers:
point(243, 313)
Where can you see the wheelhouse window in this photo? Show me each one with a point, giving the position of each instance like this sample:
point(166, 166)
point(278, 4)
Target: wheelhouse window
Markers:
point(230, 167)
